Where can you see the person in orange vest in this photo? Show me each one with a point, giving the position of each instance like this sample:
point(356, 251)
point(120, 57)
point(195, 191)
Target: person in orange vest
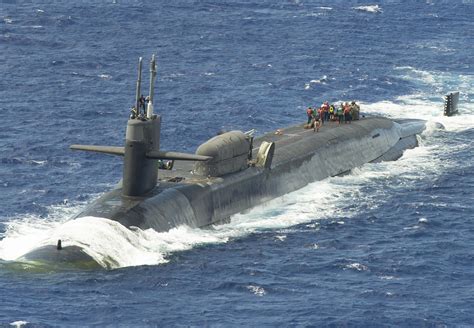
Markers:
point(321, 115)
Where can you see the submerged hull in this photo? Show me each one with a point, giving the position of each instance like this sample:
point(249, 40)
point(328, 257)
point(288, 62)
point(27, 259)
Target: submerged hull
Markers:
point(301, 157)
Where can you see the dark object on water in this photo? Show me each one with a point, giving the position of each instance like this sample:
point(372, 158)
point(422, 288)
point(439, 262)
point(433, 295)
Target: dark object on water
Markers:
point(451, 104)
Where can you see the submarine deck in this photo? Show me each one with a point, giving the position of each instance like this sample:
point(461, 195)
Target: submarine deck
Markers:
point(182, 170)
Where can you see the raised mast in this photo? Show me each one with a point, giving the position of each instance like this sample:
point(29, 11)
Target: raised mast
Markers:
point(139, 82)
point(152, 77)
point(149, 110)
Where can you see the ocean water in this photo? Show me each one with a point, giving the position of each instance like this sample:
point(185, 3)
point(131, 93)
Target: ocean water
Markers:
point(390, 244)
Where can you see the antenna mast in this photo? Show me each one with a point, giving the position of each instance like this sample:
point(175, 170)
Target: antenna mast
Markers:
point(152, 77)
point(139, 82)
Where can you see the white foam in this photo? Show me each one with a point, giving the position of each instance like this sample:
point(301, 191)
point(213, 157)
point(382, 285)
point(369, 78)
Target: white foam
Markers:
point(19, 323)
point(105, 76)
point(369, 8)
point(257, 290)
point(417, 106)
point(112, 245)
point(26, 233)
point(356, 266)
point(281, 237)
point(322, 80)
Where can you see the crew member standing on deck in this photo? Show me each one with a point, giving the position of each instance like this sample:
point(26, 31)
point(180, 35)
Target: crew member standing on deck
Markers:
point(325, 108)
point(310, 113)
point(355, 109)
point(340, 113)
point(331, 112)
point(347, 113)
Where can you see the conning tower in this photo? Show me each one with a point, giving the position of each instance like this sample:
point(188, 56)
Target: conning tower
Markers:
point(142, 145)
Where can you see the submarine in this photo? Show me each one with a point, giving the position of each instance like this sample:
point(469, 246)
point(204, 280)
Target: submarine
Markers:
point(230, 173)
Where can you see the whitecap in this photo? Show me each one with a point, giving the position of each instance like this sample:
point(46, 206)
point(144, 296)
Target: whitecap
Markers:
point(257, 290)
point(39, 163)
point(314, 246)
point(322, 80)
point(356, 266)
point(19, 323)
point(369, 8)
point(281, 237)
point(105, 76)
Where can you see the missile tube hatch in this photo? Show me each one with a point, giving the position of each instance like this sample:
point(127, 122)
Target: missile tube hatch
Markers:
point(229, 152)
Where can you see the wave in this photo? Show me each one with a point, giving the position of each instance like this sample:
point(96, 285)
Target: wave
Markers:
point(19, 323)
point(440, 82)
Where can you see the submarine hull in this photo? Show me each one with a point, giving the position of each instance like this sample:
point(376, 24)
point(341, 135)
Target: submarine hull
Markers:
point(301, 156)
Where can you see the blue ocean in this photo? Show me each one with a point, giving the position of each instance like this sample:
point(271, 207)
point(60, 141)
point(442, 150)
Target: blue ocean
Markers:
point(388, 245)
